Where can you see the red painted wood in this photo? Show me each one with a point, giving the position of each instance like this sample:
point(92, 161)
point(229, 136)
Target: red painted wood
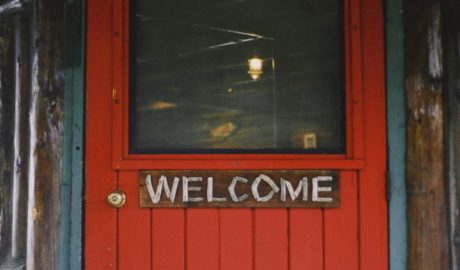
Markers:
point(124, 86)
point(305, 239)
point(351, 237)
point(238, 157)
point(271, 239)
point(202, 239)
point(357, 101)
point(117, 78)
point(373, 208)
point(100, 218)
point(209, 164)
point(168, 241)
point(348, 80)
point(341, 228)
point(133, 248)
point(236, 235)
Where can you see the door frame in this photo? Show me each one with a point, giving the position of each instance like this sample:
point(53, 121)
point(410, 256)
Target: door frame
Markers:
point(106, 147)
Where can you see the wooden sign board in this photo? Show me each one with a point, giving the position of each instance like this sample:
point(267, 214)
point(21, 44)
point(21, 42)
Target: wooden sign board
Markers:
point(280, 188)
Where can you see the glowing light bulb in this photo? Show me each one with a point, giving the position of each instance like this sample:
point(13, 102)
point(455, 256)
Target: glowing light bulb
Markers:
point(255, 67)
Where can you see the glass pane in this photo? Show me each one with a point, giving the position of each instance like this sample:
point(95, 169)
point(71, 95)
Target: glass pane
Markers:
point(236, 76)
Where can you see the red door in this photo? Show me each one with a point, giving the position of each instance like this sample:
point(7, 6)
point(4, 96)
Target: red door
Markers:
point(353, 236)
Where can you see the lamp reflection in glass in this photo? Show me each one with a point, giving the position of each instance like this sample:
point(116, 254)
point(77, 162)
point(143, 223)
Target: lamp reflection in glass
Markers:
point(255, 67)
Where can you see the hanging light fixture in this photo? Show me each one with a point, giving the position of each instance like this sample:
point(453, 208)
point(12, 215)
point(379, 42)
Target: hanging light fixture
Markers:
point(255, 67)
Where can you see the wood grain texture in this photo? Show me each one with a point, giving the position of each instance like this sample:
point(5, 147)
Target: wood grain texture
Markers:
point(6, 138)
point(21, 136)
point(452, 63)
point(233, 186)
point(425, 173)
point(46, 122)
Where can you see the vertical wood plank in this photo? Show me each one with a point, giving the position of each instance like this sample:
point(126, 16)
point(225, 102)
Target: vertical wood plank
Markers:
point(305, 239)
point(100, 222)
point(70, 247)
point(134, 227)
point(396, 114)
point(373, 213)
point(236, 250)
point(202, 240)
point(341, 227)
point(271, 239)
point(168, 239)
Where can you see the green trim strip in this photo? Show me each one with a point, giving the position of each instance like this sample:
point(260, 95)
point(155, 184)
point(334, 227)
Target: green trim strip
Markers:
point(396, 116)
point(72, 188)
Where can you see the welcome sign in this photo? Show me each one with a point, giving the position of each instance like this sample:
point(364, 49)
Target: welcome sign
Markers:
point(266, 188)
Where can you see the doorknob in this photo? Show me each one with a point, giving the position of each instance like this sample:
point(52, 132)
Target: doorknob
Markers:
point(116, 199)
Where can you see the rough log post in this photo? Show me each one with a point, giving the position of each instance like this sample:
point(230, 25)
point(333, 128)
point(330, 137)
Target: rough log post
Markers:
point(452, 56)
point(21, 137)
point(456, 238)
point(6, 115)
point(46, 135)
point(425, 174)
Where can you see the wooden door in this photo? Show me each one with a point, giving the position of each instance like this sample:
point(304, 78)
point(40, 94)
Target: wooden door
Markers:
point(353, 236)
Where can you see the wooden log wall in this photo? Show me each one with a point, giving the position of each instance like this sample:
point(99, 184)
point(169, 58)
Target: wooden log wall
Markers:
point(31, 133)
point(21, 136)
point(425, 171)
point(452, 63)
point(6, 135)
point(46, 122)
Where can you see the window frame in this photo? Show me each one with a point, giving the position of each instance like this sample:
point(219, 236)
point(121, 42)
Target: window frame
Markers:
point(351, 160)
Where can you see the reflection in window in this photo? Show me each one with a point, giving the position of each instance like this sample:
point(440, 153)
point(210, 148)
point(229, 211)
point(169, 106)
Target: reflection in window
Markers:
point(236, 75)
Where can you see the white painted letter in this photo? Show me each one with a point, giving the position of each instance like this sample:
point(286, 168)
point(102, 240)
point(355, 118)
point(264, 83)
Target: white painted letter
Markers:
point(317, 189)
point(269, 181)
point(155, 196)
point(210, 193)
point(303, 184)
point(186, 189)
point(231, 189)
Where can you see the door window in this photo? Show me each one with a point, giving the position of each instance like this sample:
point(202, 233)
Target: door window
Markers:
point(236, 76)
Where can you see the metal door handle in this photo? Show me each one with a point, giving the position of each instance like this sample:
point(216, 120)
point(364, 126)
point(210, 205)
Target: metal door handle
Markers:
point(116, 199)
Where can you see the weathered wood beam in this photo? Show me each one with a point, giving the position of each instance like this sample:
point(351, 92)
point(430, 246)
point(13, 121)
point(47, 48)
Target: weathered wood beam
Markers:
point(21, 137)
point(46, 124)
point(425, 173)
point(6, 116)
point(452, 45)
point(13, 7)
point(453, 128)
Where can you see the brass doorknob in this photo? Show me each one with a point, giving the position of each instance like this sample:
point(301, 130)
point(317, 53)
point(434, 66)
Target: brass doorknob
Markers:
point(116, 199)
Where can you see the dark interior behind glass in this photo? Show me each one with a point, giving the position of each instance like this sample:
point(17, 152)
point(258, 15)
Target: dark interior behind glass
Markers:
point(192, 89)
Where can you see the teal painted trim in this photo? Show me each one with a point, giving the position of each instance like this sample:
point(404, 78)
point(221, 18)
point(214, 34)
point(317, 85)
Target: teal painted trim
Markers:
point(71, 248)
point(396, 119)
